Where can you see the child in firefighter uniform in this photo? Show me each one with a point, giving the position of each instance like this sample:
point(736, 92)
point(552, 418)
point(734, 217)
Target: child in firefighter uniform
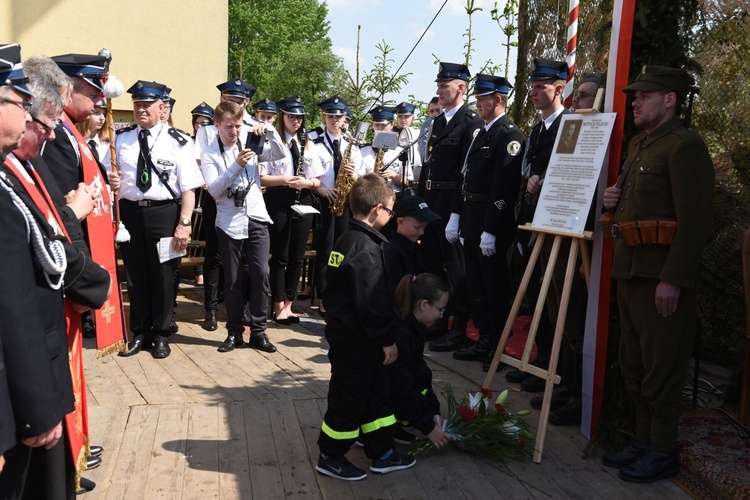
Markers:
point(361, 330)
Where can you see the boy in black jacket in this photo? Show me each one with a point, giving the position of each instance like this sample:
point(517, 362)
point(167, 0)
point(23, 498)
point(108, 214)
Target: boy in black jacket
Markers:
point(403, 255)
point(361, 329)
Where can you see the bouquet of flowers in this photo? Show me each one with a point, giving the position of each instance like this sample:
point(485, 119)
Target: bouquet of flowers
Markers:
point(476, 425)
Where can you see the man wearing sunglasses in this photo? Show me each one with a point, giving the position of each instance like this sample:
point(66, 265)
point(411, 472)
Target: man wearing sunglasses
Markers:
point(86, 283)
point(13, 116)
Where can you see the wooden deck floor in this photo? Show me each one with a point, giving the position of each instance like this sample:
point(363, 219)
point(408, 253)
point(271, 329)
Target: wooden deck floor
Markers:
point(203, 424)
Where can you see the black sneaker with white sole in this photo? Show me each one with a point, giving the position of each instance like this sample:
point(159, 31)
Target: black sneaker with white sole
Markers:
point(396, 461)
point(340, 468)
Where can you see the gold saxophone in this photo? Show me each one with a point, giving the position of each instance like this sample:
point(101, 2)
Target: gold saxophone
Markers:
point(344, 181)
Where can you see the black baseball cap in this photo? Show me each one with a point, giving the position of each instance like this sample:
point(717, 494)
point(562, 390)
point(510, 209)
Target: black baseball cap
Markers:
point(414, 206)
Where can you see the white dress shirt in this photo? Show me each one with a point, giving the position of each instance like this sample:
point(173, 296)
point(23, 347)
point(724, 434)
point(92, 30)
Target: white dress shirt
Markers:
point(284, 166)
point(325, 152)
point(221, 172)
point(168, 155)
point(104, 152)
point(369, 155)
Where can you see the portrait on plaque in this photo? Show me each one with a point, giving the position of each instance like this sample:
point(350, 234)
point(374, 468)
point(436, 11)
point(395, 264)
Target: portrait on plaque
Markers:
point(569, 133)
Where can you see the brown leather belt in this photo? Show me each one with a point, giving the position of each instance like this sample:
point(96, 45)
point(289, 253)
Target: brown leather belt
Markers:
point(646, 232)
point(433, 185)
point(475, 197)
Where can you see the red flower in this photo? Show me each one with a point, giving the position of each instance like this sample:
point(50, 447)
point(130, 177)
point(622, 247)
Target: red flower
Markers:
point(466, 414)
point(521, 444)
point(486, 392)
point(500, 408)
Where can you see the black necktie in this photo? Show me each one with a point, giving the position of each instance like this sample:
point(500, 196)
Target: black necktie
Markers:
point(295, 157)
point(336, 156)
point(440, 123)
point(542, 130)
point(143, 174)
point(92, 147)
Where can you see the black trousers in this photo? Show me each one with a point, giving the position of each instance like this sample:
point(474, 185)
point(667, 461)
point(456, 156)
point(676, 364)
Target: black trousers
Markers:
point(289, 233)
point(358, 400)
point(446, 260)
point(323, 239)
point(38, 473)
point(151, 285)
point(489, 291)
point(253, 251)
point(212, 258)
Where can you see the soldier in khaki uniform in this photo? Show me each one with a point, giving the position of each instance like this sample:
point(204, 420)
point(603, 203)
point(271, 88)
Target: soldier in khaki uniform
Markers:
point(663, 215)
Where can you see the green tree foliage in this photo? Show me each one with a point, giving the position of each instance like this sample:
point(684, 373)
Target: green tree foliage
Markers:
point(722, 116)
point(509, 29)
point(542, 27)
point(380, 80)
point(282, 48)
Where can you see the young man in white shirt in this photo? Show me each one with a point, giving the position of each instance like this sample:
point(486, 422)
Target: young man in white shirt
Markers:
point(232, 177)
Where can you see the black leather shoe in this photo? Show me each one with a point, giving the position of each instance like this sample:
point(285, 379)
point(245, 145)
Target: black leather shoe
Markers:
point(93, 462)
point(210, 324)
point(285, 321)
point(96, 450)
point(559, 398)
point(435, 334)
point(173, 326)
point(449, 342)
point(86, 486)
point(626, 456)
point(567, 414)
point(89, 332)
point(161, 349)
point(262, 343)
point(654, 465)
point(294, 319)
point(133, 347)
point(230, 343)
point(533, 384)
point(516, 376)
point(471, 354)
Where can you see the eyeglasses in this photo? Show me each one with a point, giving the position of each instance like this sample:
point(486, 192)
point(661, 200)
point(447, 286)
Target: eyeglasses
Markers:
point(441, 310)
point(294, 118)
point(391, 213)
point(25, 105)
point(47, 128)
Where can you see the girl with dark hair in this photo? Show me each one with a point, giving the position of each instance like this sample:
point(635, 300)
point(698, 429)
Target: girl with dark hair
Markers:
point(288, 183)
point(423, 300)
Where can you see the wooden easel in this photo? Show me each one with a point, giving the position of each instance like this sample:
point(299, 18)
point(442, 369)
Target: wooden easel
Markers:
point(550, 374)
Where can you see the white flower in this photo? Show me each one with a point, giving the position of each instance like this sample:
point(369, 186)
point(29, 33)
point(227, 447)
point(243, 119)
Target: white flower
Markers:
point(511, 429)
point(474, 400)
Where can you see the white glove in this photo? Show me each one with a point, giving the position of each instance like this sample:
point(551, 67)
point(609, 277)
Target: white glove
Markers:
point(451, 230)
point(487, 244)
